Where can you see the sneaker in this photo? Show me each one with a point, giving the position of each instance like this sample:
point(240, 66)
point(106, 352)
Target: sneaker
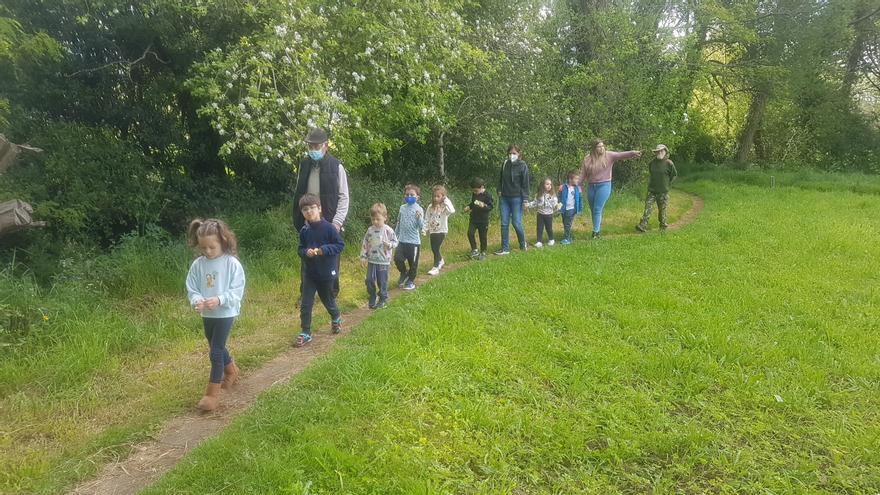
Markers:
point(440, 265)
point(524, 248)
point(482, 256)
point(336, 325)
point(402, 280)
point(641, 228)
point(371, 305)
point(381, 305)
point(434, 271)
point(409, 285)
point(565, 242)
point(302, 339)
point(595, 235)
point(474, 253)
point(551, 242)
point(502, 252)
point(538, 244)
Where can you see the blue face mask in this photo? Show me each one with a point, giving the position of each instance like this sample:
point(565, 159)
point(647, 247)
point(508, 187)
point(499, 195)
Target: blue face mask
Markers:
point(316, 155)
point(410, 200)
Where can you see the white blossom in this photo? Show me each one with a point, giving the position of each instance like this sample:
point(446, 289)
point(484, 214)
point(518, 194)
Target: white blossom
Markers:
point(281, 31)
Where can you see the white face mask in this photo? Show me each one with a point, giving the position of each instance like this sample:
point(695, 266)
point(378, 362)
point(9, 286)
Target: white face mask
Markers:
point(513, 157)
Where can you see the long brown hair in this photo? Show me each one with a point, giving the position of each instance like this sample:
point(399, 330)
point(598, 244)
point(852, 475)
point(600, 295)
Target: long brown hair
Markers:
point(212, 226)
point(541, 190)
point(438, 188)
point(593, 162)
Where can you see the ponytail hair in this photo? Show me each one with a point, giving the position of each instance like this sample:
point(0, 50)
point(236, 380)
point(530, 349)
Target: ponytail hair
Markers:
point(212, 226)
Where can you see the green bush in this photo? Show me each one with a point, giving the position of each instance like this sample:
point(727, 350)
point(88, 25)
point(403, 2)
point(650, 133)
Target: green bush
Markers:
point(91, 185)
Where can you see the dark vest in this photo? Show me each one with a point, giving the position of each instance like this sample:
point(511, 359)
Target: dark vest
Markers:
point(329, 188)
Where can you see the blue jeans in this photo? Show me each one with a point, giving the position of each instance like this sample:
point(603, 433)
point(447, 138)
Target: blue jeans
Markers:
point(377, 275)
point(567, 220)
point(217, 332)
point(324, 288)
point(512, 206)
point(597, 196)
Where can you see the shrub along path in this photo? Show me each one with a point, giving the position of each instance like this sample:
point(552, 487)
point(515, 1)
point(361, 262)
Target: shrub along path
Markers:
point(151, 459)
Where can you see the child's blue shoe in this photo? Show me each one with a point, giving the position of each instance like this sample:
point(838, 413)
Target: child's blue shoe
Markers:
point(302, 339)
point(565, 242)
point(336, 325)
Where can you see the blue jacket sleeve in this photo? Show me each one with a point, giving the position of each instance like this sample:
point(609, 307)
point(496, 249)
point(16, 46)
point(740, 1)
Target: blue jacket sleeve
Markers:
point(233, 294)
point(302, 244)
point(334, 244)
point(192, 285)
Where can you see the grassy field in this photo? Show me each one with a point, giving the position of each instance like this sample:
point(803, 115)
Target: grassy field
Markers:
point(739, 355)
point(101, 373)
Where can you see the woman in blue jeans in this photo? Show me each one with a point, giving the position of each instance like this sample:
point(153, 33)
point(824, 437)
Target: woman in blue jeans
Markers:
point(596, 169)
point(513, 192)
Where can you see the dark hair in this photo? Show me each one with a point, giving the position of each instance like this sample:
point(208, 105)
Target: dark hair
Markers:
point(412, 187)
point(571, 173)
point(309, 199)
point(541, 185)
point(513, 147)
point(477, 182)
point(212, 226)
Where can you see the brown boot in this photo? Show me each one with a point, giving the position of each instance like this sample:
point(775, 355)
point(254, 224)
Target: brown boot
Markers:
point(211, 399)
point(230, 375)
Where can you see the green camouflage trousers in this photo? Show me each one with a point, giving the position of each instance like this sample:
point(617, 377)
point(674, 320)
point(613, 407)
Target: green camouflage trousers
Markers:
point(662, 202)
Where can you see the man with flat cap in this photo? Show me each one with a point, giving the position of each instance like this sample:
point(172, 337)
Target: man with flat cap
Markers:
point(324, 176)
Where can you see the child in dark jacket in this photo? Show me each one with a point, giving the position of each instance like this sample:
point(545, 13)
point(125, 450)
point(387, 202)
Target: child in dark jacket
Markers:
point(570, 198)
point(319, 248)
point(479, 207)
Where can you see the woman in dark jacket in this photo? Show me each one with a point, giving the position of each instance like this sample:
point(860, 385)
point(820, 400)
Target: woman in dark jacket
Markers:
point(513, 192)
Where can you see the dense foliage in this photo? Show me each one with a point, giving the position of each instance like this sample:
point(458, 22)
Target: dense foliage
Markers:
point(199, 107)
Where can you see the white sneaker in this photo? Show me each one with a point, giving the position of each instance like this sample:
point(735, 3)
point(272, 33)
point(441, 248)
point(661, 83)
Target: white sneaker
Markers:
point(551, 242)
point(434, 271)
point(440, 265)
point(538, 245)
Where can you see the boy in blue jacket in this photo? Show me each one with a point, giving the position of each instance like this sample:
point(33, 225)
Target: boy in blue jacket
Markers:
point(570, 198)
point(319, 248)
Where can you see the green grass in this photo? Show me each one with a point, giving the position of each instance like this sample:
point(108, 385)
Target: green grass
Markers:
point(739, 355)
point(104, 372)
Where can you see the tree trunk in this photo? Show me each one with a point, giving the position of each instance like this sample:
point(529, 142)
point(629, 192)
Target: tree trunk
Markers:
point(441, 155)
point(753, 122)
point(693, 55)
point(587, 32)
point(862, 27)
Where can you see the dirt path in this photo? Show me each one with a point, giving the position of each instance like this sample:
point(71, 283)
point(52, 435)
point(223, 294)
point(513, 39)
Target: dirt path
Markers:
point(150, 460)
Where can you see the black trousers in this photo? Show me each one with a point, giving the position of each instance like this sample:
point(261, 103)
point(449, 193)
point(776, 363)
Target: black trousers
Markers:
point(483, 229)
point(436, 242)
point(407, 253)
point(545, 221)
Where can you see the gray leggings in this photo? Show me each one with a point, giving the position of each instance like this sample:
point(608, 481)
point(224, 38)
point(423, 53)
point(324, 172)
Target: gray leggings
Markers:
point(217, 331)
